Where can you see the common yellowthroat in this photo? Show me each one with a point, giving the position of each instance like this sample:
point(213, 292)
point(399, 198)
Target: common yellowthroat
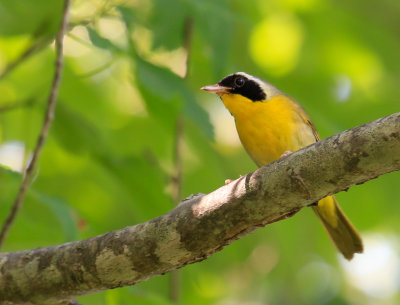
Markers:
point(271, 124)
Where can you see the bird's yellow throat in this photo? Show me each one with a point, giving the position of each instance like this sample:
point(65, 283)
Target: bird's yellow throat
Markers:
point(267, 128)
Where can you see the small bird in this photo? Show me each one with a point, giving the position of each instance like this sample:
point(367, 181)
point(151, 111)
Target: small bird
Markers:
point(270, 125)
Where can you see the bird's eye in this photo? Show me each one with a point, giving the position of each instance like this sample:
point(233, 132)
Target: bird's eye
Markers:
point(239, 82)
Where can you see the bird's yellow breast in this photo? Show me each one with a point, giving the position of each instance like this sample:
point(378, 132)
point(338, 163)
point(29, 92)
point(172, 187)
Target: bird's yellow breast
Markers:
point(269, 128)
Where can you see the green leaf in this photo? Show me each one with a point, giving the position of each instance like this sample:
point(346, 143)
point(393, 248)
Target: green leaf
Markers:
point(214, 22)
point(34, 218)
point(29, 17)
point(9, 185)
point(197, 114)
point(128, 15)
point(169, 37)
point(160, 89)
point(101, 42)
point(74, 132)
point(167, 95)
point(62, 211)
point(144, 181)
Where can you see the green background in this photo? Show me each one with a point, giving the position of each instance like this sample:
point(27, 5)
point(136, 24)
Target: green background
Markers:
point(109, 156)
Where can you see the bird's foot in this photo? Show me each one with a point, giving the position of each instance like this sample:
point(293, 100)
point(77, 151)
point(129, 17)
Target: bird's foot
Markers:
point(286, 153)
point(227, 181)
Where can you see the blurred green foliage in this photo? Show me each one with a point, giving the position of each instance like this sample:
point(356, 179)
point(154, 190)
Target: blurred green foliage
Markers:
point(109, 157)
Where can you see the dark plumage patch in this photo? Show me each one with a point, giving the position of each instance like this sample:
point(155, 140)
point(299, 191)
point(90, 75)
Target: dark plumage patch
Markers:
point(240, 84)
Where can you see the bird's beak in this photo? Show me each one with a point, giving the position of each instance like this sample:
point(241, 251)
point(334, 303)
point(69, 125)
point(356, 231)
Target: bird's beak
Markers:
point(218, 89)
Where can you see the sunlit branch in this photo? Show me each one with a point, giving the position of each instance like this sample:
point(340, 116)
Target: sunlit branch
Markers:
point(204, 224)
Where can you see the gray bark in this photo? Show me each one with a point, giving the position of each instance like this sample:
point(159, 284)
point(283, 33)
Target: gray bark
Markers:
point(203, 224)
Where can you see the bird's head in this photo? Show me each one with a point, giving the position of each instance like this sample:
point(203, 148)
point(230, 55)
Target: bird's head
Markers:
point(246, 85)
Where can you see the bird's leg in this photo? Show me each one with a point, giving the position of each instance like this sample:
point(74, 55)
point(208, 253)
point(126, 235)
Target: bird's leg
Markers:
point(227, 181)
point(286, 153)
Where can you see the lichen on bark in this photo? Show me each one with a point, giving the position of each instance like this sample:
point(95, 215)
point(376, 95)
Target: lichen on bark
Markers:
point(204, 224)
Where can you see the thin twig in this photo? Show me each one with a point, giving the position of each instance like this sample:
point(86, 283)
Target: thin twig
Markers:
point(49, 115)
point(178, 147)
point(42, 42)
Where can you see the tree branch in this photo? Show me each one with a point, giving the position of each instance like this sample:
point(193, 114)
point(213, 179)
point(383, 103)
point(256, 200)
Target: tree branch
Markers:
point(202, 225)
point(51, 104)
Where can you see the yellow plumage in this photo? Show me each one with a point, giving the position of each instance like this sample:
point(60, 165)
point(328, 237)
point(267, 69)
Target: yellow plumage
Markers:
point(267, 130)
point(270, 123)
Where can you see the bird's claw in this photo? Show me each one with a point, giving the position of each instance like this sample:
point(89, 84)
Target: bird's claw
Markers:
point(227, 181)
point(286, 153)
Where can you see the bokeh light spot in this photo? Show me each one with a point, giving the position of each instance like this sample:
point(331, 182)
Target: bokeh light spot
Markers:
point(12, 155)
point(342, 88)
point(224, 124)
point(377, 271)
point(210, 285)
point(318, 283)
point(362, 65)
point(275, 43)
point(300, 5)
